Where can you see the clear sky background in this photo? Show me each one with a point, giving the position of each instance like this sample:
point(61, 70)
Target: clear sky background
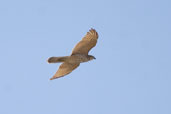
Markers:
point(131, 73)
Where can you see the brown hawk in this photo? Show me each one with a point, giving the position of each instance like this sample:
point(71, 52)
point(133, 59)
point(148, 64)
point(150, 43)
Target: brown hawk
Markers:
point(79, 55)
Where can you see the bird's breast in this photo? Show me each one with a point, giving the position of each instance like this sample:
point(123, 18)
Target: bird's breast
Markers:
point(78, 58)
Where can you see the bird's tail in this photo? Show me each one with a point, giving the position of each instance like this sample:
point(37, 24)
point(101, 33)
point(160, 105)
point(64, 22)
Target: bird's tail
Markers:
point(57, 59)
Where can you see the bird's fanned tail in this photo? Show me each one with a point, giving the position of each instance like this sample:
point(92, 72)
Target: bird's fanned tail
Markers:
point(57, 59)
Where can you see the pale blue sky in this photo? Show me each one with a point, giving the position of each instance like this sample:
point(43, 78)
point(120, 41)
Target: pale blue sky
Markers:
point(131, 73)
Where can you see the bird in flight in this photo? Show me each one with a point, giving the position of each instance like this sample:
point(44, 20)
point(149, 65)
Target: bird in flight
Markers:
point(79, 55)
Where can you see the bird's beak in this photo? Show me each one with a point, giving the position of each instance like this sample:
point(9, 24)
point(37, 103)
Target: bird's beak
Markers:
point(94, 58)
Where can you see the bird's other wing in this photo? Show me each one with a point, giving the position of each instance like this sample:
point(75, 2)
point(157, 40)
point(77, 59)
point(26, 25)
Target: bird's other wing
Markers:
point(87, 42)
point(64, 69)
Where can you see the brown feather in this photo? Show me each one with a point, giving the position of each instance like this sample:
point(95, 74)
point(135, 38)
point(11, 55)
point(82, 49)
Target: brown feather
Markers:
point(64, 69)
point(87, 43)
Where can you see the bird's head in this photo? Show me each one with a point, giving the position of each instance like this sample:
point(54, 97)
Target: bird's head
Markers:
point(91, 57)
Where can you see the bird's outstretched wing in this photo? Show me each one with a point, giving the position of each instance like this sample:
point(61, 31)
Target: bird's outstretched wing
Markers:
point(64, 69)
point(88, 42)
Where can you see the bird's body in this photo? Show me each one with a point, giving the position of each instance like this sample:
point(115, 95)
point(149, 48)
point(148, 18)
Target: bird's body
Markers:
point(79, 55)
point(79, 58)
point(76, 58)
